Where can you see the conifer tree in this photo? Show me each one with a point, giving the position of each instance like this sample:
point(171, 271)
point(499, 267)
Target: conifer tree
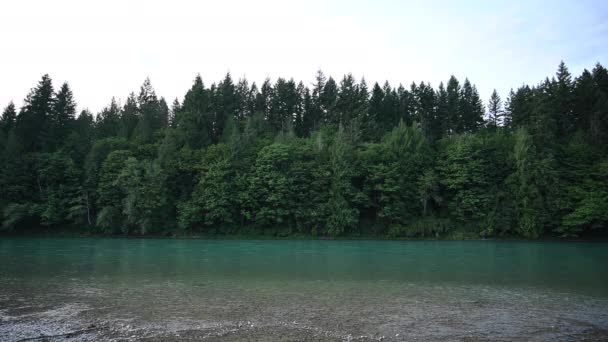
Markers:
point(471, 108)
point(8, 118)
point(453, 119)
point(195, 118)
point(34, 120)
point(564, 102)
point(495, 112)
point(62, 116)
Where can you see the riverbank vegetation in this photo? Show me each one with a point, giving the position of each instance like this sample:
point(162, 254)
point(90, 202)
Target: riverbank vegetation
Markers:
point(334, 158)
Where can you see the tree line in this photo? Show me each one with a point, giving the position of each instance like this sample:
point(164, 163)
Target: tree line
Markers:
point(329, 159)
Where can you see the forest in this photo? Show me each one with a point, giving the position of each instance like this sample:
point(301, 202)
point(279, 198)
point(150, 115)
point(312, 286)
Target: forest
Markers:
point(329, 159)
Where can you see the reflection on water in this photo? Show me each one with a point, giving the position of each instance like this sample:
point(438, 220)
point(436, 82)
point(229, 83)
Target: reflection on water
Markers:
point(304, 289)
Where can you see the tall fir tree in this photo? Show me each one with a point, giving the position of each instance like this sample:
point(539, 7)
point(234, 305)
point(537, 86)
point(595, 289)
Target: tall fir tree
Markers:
point(8, 118)
point(64, 114)
point(495, 112)
point(35, 118)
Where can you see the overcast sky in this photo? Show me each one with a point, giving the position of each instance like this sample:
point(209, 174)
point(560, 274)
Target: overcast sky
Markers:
point(107, 48)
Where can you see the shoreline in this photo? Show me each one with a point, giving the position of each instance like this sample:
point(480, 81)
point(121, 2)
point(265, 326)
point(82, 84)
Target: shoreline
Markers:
point(66, 234)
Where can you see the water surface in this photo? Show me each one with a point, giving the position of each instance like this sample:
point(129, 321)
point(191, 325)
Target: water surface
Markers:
point(147, 289)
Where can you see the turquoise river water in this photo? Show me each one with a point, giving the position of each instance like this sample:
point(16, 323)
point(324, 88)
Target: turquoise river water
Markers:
point(174, 290)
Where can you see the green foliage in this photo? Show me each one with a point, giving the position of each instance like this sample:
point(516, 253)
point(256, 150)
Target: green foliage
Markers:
point(145, 198)
point(423, 227)
point(342, 214)
point(271, 191)
point(395, 170)
point(465, 174)
point(534, 180)
point(214, 201)
point(333, 159)
point(16, 213)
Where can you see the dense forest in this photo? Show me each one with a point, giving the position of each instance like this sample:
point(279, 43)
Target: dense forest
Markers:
point(329, 159)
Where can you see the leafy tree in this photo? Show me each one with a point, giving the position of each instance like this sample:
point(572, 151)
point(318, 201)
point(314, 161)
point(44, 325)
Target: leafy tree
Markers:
point(273, 193)
point(109, 195)
point(145, 198)
point(342, 213)
point(332, 159)
point(465, 174)
point(395, 170)
point(213, 203)
point(534, 178)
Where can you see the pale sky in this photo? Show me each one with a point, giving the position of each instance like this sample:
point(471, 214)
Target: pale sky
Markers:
point(107, 48)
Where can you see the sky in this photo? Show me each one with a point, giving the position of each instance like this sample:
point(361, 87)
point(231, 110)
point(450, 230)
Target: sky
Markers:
point(106, 49)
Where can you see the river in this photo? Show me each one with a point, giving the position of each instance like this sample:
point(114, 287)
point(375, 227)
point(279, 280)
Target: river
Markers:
point(313, 290)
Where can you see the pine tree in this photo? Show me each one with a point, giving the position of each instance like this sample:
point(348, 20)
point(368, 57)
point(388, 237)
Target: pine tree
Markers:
point(406, 105)
point(308, 119)
point(35, 118)
point(315, 114)
point(264, 99)
point(495, 113)
point(300, 110)
point(564, 102)
point(442, 114)
point(64, 113)
point(454, 117)
point(108, 121)
point(226, 105)
point(371, 126)
point(426, 112)
point(244, 100)
point(8, 118)
point(519, 108)
point(346, 103)
point(471, 108)
point(328, 99)
point(175, 109)
point(284, 105)
point(129, 117)
point(195, 118)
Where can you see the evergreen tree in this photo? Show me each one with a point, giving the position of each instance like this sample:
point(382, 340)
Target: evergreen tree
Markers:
point(443, 112)
point(63, 115)
point(564, 102)
point(327, 99)
point(471, 108)
point(330, 160)
point(34, 120)
point(426, 112)
point(175, 108)
point(519, 108)
point(284, 105)
point(8, 118)
point(495, 113)
point(316, 112)
point(225, 105)
point(264, 99)
point(108, 121)
point(453, 119)
point(129, 117)
point(372, 126)
point(195, 118)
